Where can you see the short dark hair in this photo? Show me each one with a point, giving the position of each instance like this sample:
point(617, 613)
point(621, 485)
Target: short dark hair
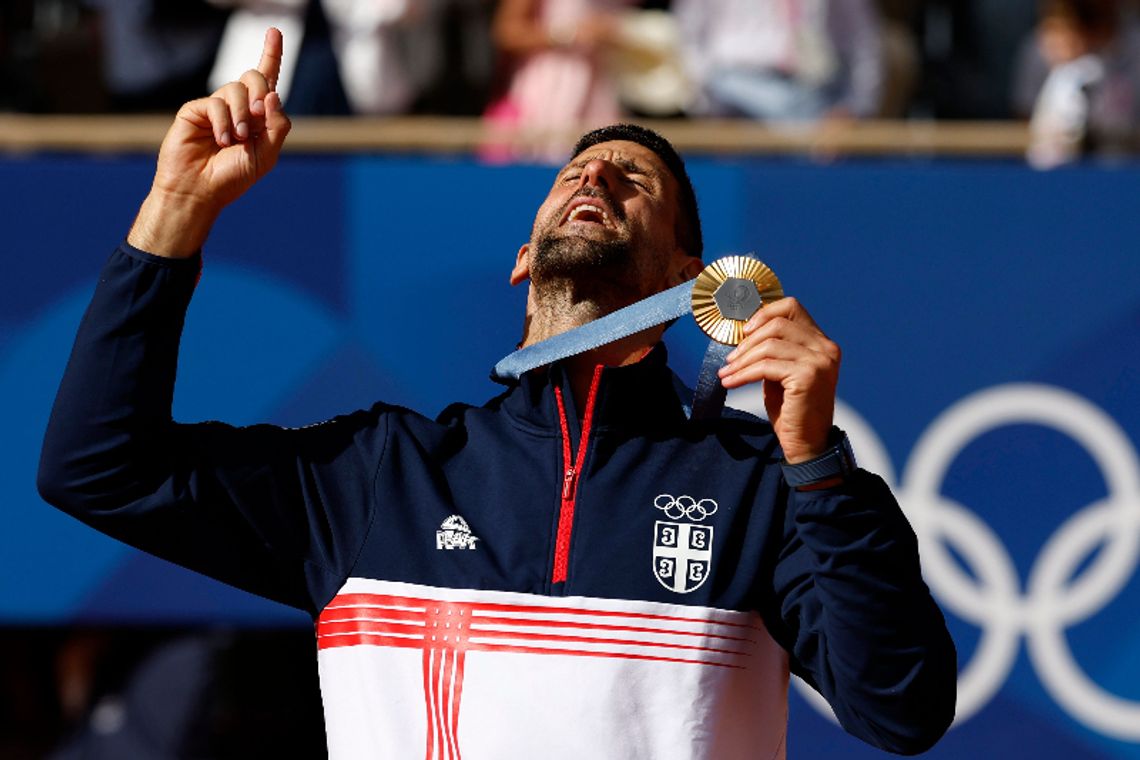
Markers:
point(689, 219)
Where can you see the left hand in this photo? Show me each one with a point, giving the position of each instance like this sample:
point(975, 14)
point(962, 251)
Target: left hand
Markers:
point(784, 347)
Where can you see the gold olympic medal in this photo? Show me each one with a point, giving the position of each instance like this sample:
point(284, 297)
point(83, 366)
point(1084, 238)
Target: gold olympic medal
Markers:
point(728, 292)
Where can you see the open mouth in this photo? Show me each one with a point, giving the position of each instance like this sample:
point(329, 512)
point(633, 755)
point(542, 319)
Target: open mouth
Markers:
point(588, 213)
point(592, 209)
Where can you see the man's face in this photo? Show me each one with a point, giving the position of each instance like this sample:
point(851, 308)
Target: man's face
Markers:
point(610, 219)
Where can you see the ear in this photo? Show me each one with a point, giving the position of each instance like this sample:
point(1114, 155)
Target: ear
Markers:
point(686, 267)
point(521, 272)
point(693, 267)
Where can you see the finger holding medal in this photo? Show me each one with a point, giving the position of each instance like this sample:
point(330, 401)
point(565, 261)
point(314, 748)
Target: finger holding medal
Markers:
point(784, 347)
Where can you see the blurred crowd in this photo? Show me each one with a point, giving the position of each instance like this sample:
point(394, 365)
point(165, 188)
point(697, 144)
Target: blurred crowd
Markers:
point(1071, 67)
point(155, 693)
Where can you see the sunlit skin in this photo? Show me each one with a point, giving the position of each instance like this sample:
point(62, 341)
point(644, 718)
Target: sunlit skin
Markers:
point(219, 146)
point(637, 195)
point(215, 150)
point(782, 344)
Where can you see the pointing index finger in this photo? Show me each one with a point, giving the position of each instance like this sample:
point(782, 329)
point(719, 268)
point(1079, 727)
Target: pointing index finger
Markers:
point(270, 63)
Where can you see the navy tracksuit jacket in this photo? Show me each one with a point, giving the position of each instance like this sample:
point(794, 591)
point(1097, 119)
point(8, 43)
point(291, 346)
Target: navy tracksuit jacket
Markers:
point(609, 554)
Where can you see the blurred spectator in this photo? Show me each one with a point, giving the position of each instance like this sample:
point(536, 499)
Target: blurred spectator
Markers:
point(969, 50)
point(157, 714)
point(902, 64)
point(781, 60)
point(647, 66)
point(160, 694)
point(452, 59)
point(1079, 78)
point(554, 81)
point(340, 57)
point(365, 37)
point(157, 53)
point(49, 51)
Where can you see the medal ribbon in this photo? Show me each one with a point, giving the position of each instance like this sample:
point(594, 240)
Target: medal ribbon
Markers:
point(708, 399)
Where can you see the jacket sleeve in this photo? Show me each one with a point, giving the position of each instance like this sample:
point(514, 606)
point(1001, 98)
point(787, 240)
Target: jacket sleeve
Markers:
point(278, 512)
point(857, 618)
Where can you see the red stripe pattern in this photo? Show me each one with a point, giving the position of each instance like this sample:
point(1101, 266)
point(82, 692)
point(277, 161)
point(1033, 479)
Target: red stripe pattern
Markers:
point(447, 631)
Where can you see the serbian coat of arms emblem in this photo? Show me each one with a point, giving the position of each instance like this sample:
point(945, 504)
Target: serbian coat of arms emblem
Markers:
point(682, 552)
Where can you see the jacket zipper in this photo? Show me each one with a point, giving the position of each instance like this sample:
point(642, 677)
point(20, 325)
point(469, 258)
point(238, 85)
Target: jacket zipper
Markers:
point(573, 471)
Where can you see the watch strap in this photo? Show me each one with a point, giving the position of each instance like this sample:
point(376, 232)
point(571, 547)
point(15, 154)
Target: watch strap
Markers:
point(837, 462)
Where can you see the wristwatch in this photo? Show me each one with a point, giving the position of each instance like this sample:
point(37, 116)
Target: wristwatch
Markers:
point(837, 462)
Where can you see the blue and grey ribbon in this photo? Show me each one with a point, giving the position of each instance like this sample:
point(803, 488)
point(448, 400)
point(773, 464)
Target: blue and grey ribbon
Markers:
point(708, 399)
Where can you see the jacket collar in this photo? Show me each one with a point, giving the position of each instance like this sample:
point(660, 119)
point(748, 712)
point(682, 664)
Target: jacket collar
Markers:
point(639, 396)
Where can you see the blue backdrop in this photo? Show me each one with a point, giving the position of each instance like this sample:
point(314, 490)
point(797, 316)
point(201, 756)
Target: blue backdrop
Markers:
point(990, 318)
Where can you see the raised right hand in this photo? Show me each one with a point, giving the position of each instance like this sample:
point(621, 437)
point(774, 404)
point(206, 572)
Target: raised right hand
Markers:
point(215, 150)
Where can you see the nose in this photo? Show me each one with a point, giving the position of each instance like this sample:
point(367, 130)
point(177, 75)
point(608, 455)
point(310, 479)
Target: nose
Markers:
point(597, 173)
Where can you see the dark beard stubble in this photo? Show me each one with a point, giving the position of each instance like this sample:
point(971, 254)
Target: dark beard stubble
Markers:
point(601, 271)
point(573, 258)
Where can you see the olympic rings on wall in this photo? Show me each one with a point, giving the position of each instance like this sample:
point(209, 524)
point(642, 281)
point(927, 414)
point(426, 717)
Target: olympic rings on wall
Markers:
point(992, 600)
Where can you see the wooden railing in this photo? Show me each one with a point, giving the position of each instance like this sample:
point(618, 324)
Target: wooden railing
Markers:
point(119, 134)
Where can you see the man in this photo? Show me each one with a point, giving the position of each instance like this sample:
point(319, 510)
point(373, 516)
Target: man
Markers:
point(574, 569)
point(783, 60)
